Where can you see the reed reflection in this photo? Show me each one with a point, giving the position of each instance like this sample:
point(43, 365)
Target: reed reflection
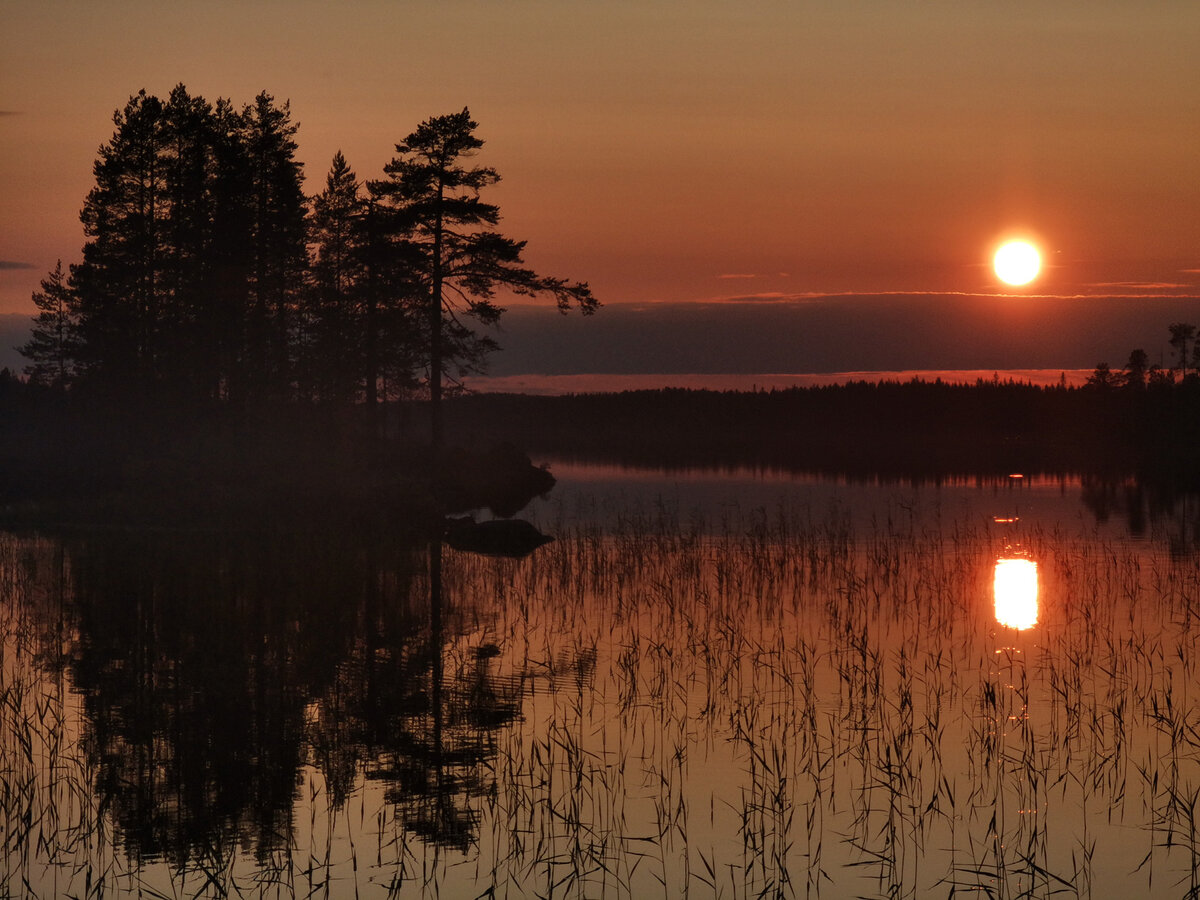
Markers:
point(1015, 586)
point(213, 670)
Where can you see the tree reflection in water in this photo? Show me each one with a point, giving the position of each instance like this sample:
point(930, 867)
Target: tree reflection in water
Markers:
point(213, 668)
point(1146, 505)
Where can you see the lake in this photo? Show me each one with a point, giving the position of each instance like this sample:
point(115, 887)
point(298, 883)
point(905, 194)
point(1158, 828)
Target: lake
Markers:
point(737, 683)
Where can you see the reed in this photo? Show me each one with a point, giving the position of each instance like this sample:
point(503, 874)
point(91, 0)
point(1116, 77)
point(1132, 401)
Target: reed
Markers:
point(764, 703)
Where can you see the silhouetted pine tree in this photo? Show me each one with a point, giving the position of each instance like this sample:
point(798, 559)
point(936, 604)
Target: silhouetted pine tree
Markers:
point(1102, 377)
point(51, 346)
point(185, 355)
point(393, 318)
point(335, 337)
point(1182, 335)
point(457, 262)
point(1136, 369)
point(277, 234)
point(119, 284)
point(231, 254)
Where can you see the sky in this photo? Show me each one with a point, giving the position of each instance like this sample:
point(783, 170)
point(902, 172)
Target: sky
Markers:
point(697, 159)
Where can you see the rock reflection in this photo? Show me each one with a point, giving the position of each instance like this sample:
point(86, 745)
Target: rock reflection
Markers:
point(1015, 586)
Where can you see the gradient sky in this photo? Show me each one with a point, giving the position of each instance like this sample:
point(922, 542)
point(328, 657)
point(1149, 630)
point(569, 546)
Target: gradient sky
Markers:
point(680, 151)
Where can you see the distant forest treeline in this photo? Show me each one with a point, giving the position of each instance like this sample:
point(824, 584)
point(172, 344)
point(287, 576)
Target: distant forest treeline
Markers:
point(208, 275)
point(917, 428)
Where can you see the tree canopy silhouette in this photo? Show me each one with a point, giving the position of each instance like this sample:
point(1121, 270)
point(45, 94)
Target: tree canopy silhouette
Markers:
point(337, 277)
point(458, 262)
point(51, 346)
point(195, 245)
point(208, 276)
point(1182, 335)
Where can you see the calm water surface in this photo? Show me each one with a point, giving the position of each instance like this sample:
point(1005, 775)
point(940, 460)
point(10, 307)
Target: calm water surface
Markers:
point(734, 684)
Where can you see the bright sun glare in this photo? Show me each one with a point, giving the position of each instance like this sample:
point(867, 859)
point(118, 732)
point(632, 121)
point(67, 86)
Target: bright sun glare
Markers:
point(1017, 262)
point(1016, 592)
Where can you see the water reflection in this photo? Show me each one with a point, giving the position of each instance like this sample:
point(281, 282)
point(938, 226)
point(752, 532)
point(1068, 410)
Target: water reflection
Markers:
point(787, 693)
point(1147, 506)
point(214, 671)
point(1015, 586)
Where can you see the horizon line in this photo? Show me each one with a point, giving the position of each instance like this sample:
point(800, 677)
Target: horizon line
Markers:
point(781, 297)
point(608, 382)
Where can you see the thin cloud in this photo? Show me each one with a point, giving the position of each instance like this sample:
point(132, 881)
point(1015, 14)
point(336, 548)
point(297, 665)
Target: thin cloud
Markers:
point(804, 296)
point(812, 296)
point(1141, 285)
point(9, 264)
point(761, 297)
point(734, 276)
point(779, 298)
point(10, 112)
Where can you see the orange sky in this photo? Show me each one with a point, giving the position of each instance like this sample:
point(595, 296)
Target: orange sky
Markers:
point(656, 149)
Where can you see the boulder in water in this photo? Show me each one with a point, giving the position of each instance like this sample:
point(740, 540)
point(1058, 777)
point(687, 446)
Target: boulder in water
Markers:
point(513, 538)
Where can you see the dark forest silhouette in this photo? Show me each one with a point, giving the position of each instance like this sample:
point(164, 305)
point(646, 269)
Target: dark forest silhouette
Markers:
point(224, 330)
point(208, 276)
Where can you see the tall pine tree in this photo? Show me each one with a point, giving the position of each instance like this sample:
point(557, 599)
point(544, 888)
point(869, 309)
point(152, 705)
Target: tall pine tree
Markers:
point(189, 161)
point(119, 284)
point(52, 344)
point(277, 242)
point(458, 262)
point(224, 326)
point(335, 348)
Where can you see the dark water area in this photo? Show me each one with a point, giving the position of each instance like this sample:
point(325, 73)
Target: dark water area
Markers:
point(726, 682)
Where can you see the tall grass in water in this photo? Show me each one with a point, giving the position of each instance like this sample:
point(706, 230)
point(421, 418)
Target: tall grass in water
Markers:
point(850, 719)
point(54, 837)
point(770, 703)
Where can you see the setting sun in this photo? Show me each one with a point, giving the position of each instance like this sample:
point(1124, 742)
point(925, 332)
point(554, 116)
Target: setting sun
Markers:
point(1017, 262)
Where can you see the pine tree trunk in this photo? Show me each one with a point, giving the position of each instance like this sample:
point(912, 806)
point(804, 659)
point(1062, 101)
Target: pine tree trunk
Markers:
point(371, 363)
point(435, 334)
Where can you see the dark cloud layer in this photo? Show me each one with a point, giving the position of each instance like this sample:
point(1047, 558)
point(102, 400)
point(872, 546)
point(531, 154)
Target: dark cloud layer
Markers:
point(838, 334)
point(14, 331)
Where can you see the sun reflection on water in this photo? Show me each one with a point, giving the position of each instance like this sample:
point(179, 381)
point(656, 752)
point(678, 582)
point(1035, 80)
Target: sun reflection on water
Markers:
point(1016, 591)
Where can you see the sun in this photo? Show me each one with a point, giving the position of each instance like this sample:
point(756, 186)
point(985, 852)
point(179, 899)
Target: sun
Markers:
point(1017, 262)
